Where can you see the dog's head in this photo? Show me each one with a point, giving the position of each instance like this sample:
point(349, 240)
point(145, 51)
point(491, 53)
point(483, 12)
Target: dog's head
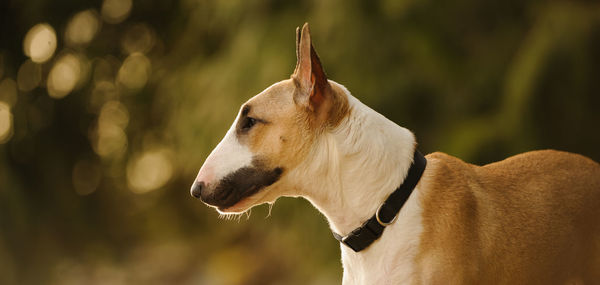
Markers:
point(271, 136)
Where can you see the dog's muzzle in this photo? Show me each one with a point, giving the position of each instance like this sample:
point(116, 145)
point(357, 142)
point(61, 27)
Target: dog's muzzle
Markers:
point(236, 186)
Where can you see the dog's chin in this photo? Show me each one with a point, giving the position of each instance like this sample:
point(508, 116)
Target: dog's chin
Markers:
point(244, 205)
point(239, 208)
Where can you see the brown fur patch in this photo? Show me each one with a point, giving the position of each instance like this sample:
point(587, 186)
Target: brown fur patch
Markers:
point(529, 219)
point(340, 109)
point(286, 130)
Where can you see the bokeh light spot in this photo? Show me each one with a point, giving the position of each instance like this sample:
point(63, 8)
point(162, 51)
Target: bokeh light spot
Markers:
point(8, 92)
point(112, 141)
point(82, 28)
point(114, 113)
point(138, 38)
point(149, 171)
point(115, 11)
point(40, 43)
point(29, 76)
point(6, 123)
point(86, 177)
point(63, 76)
point(110, 138)
point(135, 71)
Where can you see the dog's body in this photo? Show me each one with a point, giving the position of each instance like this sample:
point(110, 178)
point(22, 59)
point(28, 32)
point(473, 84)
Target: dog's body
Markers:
point(530, 219)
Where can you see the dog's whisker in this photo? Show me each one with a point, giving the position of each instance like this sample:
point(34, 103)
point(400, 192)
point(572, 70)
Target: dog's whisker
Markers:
point(229, 216)
point(270, 209)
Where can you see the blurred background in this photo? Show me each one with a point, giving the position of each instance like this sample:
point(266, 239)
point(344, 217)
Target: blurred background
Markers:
point(108, 109)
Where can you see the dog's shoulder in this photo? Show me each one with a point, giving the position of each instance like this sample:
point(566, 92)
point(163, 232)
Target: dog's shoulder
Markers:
point(449, 204)
point(448, 178)
point(443, 166)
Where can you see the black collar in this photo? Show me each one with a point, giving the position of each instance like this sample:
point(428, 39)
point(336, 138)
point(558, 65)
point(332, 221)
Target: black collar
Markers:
point(386, 214)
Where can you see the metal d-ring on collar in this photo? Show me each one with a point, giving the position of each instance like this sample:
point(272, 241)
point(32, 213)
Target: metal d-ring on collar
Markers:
point(363, 236)
point(384, 223)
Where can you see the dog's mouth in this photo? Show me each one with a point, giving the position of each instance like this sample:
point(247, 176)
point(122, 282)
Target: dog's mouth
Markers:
point(239, 185)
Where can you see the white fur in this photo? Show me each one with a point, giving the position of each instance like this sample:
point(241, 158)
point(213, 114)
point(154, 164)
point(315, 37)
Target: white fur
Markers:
point(227, 157)
point(359, 164)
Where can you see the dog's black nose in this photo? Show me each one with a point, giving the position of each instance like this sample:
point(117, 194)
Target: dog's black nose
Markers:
point(197, 188)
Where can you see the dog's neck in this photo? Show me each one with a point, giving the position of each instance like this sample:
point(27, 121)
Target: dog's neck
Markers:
point(358, 164)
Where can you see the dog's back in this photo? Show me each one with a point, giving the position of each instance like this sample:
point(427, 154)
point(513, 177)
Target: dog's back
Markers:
point(529, 219)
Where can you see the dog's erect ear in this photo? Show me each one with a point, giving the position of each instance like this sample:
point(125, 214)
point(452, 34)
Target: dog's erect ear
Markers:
point(297, 49)
point(309, 75)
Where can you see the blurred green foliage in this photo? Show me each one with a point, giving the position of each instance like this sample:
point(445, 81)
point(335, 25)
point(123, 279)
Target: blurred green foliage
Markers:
point(102, 134)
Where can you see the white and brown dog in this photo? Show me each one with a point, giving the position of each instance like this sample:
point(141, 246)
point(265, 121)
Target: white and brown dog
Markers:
point(530, 219)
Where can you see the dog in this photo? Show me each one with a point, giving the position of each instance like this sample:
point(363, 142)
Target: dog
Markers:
point(402, 218)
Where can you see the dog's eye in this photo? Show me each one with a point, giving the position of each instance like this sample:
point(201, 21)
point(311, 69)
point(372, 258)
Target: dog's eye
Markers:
point(248, 123)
